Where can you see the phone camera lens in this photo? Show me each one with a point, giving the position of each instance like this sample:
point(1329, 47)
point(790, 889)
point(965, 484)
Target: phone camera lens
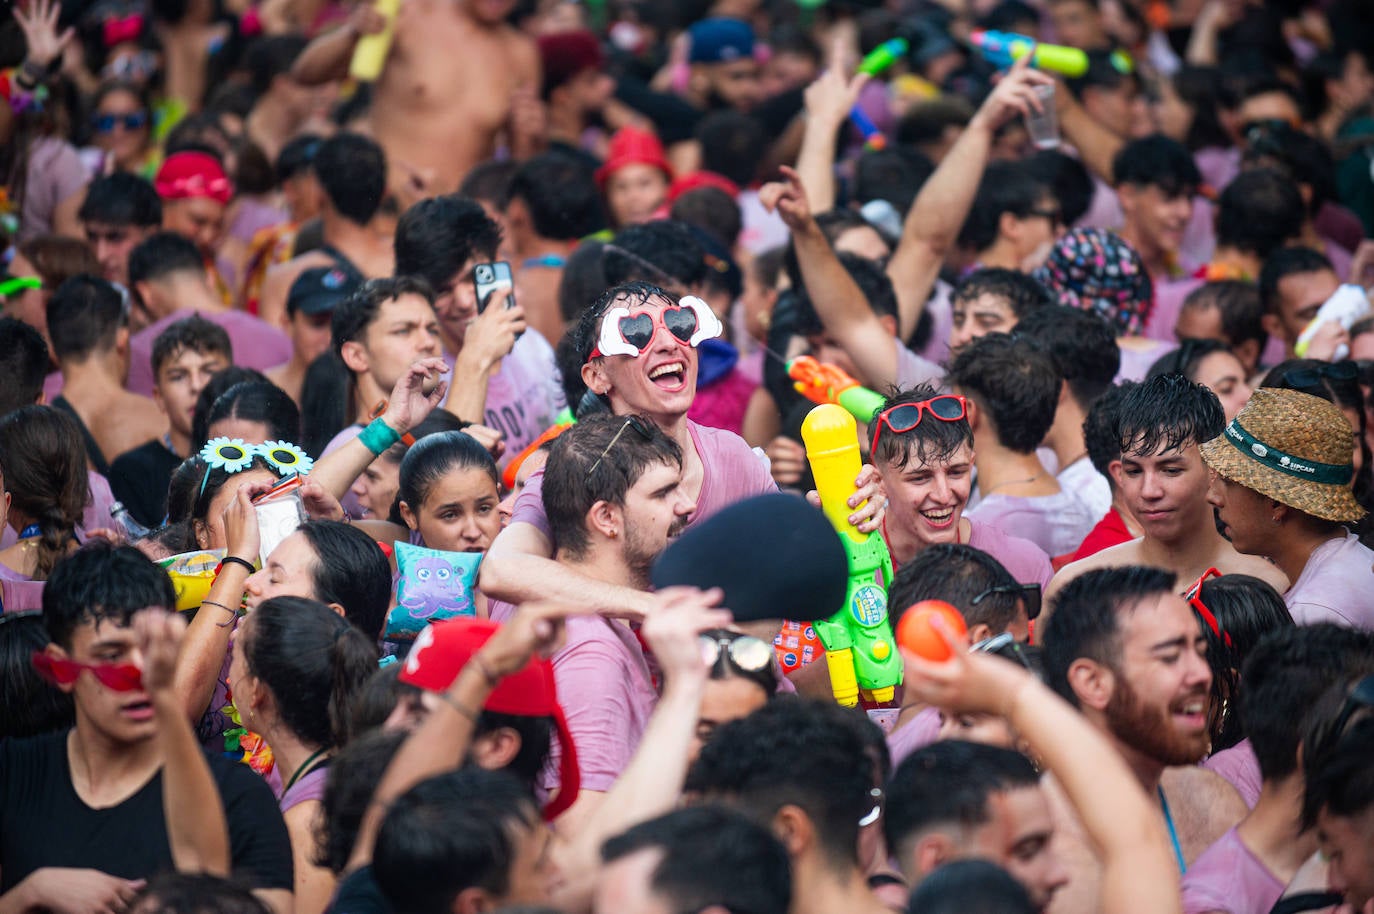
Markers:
point(484, 274)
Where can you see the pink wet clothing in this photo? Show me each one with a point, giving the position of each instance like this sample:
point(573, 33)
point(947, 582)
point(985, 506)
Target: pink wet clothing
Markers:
point(607, 694)
point(1027, 562)
point(1169, 297)
point(914, 735)
point(1239, 766)
point(1336, 585)
point(1056, 523)
point(257, 344)
point(1228, 877)
point(524, 393)
point(731, 473)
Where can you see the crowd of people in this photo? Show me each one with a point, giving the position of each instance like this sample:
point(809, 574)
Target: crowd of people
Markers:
point(364, 365)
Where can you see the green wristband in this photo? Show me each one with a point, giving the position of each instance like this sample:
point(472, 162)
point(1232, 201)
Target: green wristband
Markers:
point(378, 436)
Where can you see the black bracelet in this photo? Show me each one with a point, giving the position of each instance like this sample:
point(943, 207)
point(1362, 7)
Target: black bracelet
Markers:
point(235, 560)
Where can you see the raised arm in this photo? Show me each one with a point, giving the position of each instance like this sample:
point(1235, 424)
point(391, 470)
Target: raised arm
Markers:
point(828, 101)
point(197, 830)
point(1139, 874)
point(938, 213)
point(838, 300)
point(1096, 145)
point(440, 743)
point(327, 57)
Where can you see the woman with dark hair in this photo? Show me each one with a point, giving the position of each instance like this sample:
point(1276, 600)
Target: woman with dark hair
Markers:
point(1236, 611)
point(219, 383)
point(1212, 364)
point(200, 492)
point(376, 488)
point(1187, 107)
point(122, 128)
point(295, 669)
point(29, 705)
point(256, 412)
point(43, 469)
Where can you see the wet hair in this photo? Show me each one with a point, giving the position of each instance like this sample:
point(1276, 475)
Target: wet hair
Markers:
point(1166, 413)
point(1259, 212)
point(354, 773)
point(929, 442)
point(32, 705)
point(325, 402)
point(792, 752)
point(971, 887)
point(895, 175)
point(1247, 609)
point(196, 893)
point(357, 312)
point(1286, 262)
point(313, 662)
point(84, 314)
point(1239, 305)
point(436, 237)
point(582, 282)
point(1340, 781)
point(1022, 293)
point(352, 571)
point(432, 458)
point(710, 856)
point(956, 574)
point(732, 144)
point(220, 382)
point(726, 668)
point(948, 784)
point(1081, 345)
point(351, 169)
point(1186, 358)
point(585, 334)
point(449, 833)
point(163, 254)
point(190, 334)
point(1015, 382)
point(559, 192)
point(100, 582)
point(1157, 161)
point(259, 401)
point(1086, 621)
point(121, 199)
point(43, 464)
point(23, 364)
point(584, 469)
point(1100, 429)
point(664, 251)
point(1006, 187)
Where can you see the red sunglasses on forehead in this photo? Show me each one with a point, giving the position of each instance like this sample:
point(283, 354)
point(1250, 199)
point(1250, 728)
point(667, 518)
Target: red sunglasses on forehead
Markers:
point(1194, 597)
point(121, 677)
point(623, 333)
point(905, 416)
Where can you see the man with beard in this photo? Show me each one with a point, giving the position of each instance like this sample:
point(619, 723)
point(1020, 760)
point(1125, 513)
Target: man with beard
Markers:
point(1127, 651)
point(1163, 480)
point(614, 498)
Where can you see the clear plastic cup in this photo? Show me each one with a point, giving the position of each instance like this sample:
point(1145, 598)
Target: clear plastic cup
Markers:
point(1043, 126)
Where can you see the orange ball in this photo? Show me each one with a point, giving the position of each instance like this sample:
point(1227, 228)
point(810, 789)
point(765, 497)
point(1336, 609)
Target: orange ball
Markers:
point(917, 635)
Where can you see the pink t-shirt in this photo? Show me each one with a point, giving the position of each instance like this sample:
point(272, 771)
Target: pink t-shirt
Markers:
point(1228, 877)
point(54, 175)
point(1169, 296)
point(1336, 585)
point(1056, 523)
point(257, 344)
point(731, 473)
point(914, 735)
point(607, 694)
point(1027, 562)
point(1239, 766)
point(524, 393)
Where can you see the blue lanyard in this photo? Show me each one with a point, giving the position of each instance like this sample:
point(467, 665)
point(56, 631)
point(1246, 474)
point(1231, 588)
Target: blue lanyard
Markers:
point(1173, 833)
point(30, 530)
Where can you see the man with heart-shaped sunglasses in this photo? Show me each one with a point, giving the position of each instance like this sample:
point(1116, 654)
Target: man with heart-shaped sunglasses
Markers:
point(637, 350)
point(88, 814)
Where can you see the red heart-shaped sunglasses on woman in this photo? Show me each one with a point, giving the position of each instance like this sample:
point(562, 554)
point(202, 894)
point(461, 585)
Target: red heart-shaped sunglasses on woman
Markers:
point(121, 677)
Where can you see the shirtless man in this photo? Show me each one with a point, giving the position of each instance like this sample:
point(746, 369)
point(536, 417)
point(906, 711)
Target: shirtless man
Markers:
point(455, 74)
point(1163, 480)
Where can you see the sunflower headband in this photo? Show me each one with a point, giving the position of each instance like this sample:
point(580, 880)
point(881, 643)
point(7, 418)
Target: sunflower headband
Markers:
point(233, 455)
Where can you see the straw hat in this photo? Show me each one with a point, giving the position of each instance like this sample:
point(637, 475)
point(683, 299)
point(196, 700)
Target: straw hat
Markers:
point(1294, 448)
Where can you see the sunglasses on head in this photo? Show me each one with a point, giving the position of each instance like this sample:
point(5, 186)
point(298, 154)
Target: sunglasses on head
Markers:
point(623, 333)
point(1308, 378)
point(753, 655)
point(904, 417)
point(121, 677)
point(1029, 593)
point(106, 123)
point(1194, 597)
point(640, 427)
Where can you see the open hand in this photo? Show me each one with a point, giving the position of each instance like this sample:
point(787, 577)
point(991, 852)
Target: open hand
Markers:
point(159, 635)
point(831, 97)
point(1014, 95)
point(38, 20)
point(679, 616)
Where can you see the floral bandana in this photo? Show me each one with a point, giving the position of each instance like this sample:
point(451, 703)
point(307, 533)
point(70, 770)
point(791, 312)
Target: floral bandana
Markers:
point(1095, 270)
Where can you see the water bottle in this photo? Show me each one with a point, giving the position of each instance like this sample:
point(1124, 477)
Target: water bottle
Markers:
point(124, 521)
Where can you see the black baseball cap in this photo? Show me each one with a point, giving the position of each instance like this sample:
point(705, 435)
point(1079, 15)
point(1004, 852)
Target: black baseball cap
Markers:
point(319, 290)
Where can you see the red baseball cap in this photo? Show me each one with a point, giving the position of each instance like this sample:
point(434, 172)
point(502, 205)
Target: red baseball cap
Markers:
point(631, 146)
point(699, 179)
point(185, 175)
point(444, 648)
